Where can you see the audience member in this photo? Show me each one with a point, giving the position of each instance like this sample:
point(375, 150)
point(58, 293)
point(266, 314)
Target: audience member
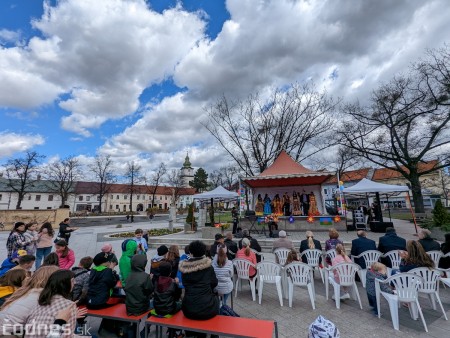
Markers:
point(341, 257)
point(138, 287)
point(107, 248)
point(44, 243)
point(253, 243)
point(66, 256)
point(292, 257)
point(166, 300)
point(223, 267)
point(248, 254)
point(282, 242)
point(232, 247)
point(10, 282)
point(17, 308)
point(199, 280)
point(142, 245)
point(309, 244)
point(26, 262)
point(414, 257)
point(81, 280)
point(16, 240)
point(218, 239)
point(11, 262)
point(173, 257)
point(183, 257)
point(390, 242)
point(51, 259)
point(125, 260)
point(428, 243)
point(331, 243)
point(361, 245)
point(102, 279)
point(376, 271)
point(32, 235)
point(54, 297)
point(444, 263)
point(156, 261)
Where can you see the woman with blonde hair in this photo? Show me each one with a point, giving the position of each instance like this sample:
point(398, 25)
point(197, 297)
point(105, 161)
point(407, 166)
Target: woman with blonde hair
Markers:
point(248, 254)
point(19, 305)
point(309, 244)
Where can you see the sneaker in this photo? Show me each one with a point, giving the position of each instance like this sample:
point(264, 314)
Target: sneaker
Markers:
point(345, 296)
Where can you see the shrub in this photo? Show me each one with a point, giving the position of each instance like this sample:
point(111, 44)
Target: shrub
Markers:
point(190, 218)
point(440, 215)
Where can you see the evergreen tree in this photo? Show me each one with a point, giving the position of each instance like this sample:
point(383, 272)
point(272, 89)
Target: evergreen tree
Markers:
point(200, 181)
point(440, 215)
point(190, 218)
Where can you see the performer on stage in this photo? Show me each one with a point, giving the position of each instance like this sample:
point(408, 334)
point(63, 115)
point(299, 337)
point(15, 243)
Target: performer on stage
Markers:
point(304, 199)
point(313, 211)
point(296, 211)
point(259, 207)
point(277, 206)
point(286, 204)
point(267, 205)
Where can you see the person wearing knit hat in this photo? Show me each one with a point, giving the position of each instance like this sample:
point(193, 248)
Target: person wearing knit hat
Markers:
point(13, 261)
point(282, 242)
point(108, 249)
point(156, 261)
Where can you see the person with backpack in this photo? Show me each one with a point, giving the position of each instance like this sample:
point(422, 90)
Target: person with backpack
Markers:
point(81, 280)
point(130, 247)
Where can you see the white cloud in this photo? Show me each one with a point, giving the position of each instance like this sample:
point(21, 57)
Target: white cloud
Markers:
point(7, 35)
point(11, 143)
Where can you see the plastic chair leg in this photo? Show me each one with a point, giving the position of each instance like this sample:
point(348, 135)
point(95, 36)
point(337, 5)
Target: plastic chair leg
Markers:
point(291, 293)
point(236, 287)
point(421, 315)
point(252, 286)
point(440, 304)
point(393, 307)
point(337, 295)
point(280, 295)
point(432, 300)
point(357, 294)
point(311, 295)
point(260, 289)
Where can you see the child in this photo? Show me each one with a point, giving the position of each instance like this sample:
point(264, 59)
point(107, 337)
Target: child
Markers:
point(377, 270)
point(10, 282)
point(101, 281)
point(125, 260)
point(156, 261)
point(26, 262)
point(31, 234)
point(341, 257)
point(167, 294)
point(12, 262)
point(107, 248)
point(292, 257)
point(138, 287)
point(183, 257)
point(81, 283)
point(140, 241)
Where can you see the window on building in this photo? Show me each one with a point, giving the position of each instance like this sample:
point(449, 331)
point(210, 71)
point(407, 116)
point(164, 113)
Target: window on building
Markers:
point(117, 197)
point(165, 198)
point(124, 208)
point(88, 198)
point(137, 197)
point(325, 191)
point(36, 208)
point(29, 197)
point(48, 208)
point(50, 198)
point(1, 197)
point(117, 207)
point(80, 198)
point(38, 198)
point(125, 197)
point(110, 206)
point(98, 198)
point(160, 206)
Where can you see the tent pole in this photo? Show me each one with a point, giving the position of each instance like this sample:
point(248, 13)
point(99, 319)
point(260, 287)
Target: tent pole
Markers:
point(412, 213)
point(389, 208)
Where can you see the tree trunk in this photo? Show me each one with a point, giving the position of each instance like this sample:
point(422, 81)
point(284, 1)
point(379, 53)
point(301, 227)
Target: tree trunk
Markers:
point(416, 189)
point(100, 205)
point(19, 201)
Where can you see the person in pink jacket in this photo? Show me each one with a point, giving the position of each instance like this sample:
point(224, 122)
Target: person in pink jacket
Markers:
point(66, 256)
point(248, 254)
point(341, 257)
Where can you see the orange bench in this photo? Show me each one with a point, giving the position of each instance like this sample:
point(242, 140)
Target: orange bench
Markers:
point(219, 325)
point(118, 312)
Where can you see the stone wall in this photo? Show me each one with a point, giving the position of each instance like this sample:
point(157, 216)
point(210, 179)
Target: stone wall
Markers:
point(54, 216)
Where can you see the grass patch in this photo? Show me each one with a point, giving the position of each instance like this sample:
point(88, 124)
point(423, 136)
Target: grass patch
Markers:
point(151, 233)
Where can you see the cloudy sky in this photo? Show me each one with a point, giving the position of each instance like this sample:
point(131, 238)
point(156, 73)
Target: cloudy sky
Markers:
point(132, 78)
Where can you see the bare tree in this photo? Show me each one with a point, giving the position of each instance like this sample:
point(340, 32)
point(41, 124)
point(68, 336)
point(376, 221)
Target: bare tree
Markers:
point(229, 176)
point(20, 172)
point(439, 184)
point(175, 181)
point(157, 179)
point(61, 177)
point(253, 132)
point(103, 171)
point(405, 125)
point(215, 179)
point(134, 177)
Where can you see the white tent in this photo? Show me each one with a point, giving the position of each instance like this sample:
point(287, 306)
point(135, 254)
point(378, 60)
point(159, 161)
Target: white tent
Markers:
point(367, 186)
point(218, 193)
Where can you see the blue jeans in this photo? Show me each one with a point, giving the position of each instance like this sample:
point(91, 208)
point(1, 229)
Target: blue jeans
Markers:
point(41, 253)
point(225, 297)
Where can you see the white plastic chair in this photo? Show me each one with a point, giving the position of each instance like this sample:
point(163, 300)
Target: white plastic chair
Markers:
point(313, 260)
point(331, 254)
point(395, 258)
point(346, 273)
point(269, 272)
point(243, 273)
point(370, 257)
point(406, 286)
point(257, 253)
point(430, 286)
point(436, 257)
point(281, 254)
point(301, 274)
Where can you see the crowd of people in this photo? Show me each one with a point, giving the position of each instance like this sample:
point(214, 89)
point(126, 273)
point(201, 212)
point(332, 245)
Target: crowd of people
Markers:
point(198, 282)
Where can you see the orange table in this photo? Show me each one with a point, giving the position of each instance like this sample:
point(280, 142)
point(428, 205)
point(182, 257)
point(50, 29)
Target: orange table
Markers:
point(118, 312)
point(219, 325)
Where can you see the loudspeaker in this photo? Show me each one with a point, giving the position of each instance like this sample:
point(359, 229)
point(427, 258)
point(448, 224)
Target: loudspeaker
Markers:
point(250, 213)
point(380, 226)
point(275, 234)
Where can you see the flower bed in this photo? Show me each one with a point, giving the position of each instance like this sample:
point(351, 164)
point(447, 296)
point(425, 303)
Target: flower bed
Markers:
point(151, 233)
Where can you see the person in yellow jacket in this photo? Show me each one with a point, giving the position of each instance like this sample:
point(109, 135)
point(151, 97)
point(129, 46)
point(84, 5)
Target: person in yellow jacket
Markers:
point(10, 282)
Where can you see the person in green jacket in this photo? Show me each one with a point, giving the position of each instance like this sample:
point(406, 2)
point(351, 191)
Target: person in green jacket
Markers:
point(125, 260)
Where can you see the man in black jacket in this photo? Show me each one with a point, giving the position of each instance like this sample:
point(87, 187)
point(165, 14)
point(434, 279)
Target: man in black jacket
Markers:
point(253, 243)
point(389, 242)
point(428, 243)
point(360, 245)
point(65, 230)
point(218, 239)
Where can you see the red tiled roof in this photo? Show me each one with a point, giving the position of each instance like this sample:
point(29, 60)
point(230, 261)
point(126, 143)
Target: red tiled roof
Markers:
point(285, 165)
point(382, 174)
point(352, 175)
point(92, 188)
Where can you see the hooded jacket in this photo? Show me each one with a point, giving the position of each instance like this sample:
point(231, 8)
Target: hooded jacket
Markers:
point(167, 293)
point(7, 265)
point(125, 261)
point(138, 287)
point(101, 281)
point(199, 280)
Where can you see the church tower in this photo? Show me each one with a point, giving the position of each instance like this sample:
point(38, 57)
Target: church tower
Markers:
point(187, 172)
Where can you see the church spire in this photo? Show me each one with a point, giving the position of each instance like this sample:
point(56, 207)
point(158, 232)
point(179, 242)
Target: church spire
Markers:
point(187, 163)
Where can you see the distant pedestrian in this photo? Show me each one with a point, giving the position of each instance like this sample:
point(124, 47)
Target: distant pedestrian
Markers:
point(65, 230)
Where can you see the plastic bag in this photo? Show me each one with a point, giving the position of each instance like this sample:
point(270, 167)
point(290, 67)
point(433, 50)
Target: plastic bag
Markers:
point(323, 328)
